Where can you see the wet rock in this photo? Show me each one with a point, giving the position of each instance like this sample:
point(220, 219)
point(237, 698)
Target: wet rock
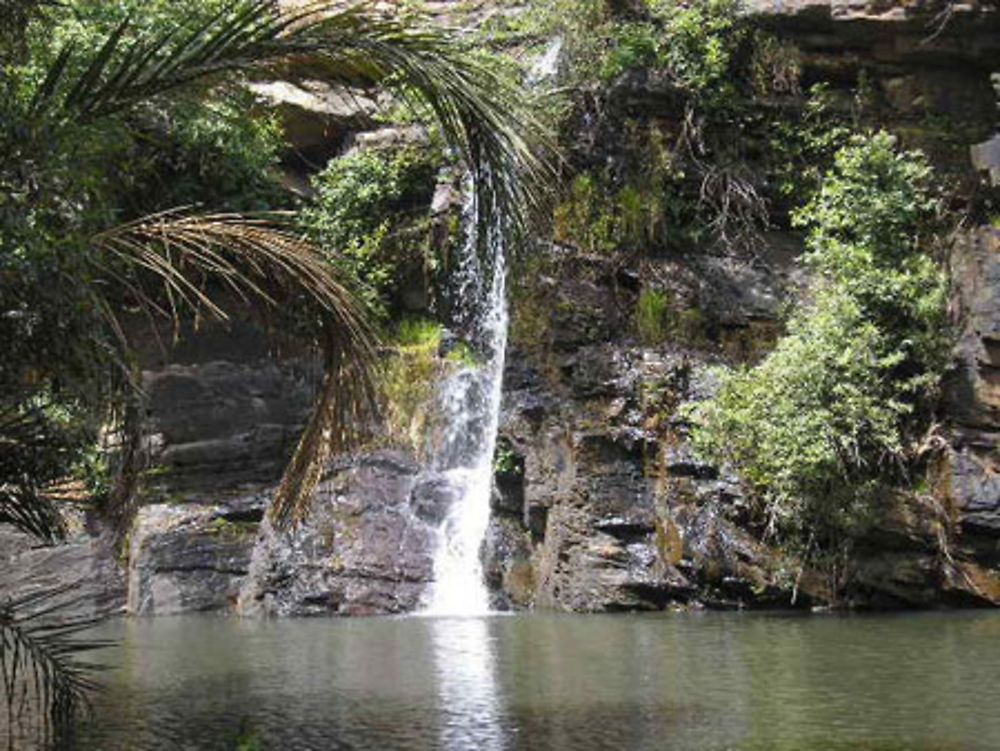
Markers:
point(582, 569)
point(893, 580)
point(83, 568)
point(190, 557)
point(317, 117)
point(970, 465)
point(391, 138)
point(737, 290)
point(219, 424)
point(583, 313)
point(361, 551)
point(431, 498)
point(973, 390)
point(507, 564)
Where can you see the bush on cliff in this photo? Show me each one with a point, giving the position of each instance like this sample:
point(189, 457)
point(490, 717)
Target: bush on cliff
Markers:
point(363, 201)
point(828, 418)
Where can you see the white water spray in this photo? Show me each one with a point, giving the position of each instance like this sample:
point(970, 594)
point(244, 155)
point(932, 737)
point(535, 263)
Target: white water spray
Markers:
point(547, 66)
point(470, 402)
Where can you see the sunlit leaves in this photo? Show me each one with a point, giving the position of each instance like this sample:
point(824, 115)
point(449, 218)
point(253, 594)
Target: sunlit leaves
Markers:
point(827, 415)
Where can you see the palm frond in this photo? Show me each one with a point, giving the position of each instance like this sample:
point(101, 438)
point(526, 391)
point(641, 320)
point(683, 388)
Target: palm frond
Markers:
point(130, 464)
point(266, 266)
point(30, 509)
point(33, 456)
point(43, 683)
point(506, 149)
point(342, 411)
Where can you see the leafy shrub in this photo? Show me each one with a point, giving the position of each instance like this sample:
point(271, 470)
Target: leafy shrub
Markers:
point(360, 200)
point(699, 41)
point(218, 151)
point(824, 422)
point(633, 45)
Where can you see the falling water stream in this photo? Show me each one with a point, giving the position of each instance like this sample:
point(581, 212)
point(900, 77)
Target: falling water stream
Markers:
point(470, 405)
point(470, 402)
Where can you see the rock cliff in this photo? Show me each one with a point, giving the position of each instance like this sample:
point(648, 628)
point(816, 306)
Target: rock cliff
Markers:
point(599, 503)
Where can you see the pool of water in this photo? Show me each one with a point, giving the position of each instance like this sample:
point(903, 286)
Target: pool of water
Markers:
point(668, 681)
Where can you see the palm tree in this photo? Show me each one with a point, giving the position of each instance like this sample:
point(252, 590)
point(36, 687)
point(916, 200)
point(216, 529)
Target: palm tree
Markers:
point(171, 263)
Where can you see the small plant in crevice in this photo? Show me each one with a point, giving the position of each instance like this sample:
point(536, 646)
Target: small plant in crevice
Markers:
point(659, 321)
point(505, 460)
point(463, 355)
point(651, 311)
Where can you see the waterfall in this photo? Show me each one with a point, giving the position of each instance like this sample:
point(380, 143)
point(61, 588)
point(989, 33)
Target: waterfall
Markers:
point(547, 66)
point(470, 405)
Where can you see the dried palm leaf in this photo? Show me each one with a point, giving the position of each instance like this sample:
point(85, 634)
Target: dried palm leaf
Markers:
point(266, 266)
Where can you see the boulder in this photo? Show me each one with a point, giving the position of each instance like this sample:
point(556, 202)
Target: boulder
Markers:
point(82, 570)
point(191, 557)
point(361, 551)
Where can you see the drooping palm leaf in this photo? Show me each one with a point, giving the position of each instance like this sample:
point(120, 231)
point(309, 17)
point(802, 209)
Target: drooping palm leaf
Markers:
point(31, 510)
point(266, 266)
point(34, 455)
point(480, 115)
point(42, 682)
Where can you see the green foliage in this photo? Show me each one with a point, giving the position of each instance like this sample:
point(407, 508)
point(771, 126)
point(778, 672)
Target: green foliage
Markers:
point(463, 356)
point(600, 220)
point(408, 382)
point(633, 45)
point(584, 219)
point(417, 334)
point(64, 179)
point(699, 42)
point(658, 320)
point(745, 147)
point(693, 41)
point(801, 148)
point(361, 200)
point(201, 145)
point(505, 460)
point(219, 151)
point(248, 738)
point(651, 312)
point(825, 421)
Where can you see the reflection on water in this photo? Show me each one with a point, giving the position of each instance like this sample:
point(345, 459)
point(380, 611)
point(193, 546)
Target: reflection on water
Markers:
point(464, 664)
point(695, 681)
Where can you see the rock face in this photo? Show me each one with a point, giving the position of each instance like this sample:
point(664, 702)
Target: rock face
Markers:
point(222, 413)
point(603, 506)
point(189, 557)
point(363, 550)
point(607, 508)
point(82, 571)
point(599, 503)
point(968, 485)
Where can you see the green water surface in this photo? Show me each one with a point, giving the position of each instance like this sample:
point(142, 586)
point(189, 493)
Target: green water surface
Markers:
point(668, 681)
